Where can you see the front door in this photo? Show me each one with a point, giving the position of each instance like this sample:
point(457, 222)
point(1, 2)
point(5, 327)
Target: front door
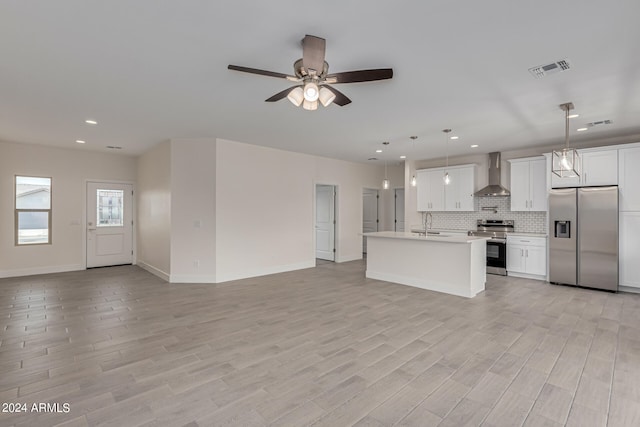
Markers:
point(369, 214)
point(109, 224)
point(325, 222)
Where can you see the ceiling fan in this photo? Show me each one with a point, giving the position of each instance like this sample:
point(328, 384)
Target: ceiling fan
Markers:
point(312, 71)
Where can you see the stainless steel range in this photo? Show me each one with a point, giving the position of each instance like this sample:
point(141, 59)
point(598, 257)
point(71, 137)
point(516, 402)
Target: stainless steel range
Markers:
point(497, 230)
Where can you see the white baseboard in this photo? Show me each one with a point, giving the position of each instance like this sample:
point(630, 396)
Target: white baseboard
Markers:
point(40, 270)
point(264, 271)
point(630, 289)
point(348, 258)
point(153, 270)
point(527, 276)
point(192, 278)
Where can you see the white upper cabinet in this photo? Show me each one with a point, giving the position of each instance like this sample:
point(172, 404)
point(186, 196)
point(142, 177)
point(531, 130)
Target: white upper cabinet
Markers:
point(629, 179)
point(459, 193)
point(528, 184)
point(556, 181)
point(434, 195)
point(430, 186)
point(599, 167)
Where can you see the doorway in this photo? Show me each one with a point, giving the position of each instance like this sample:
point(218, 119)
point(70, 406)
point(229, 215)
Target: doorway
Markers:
point(369, 214)
point(109, 224)
point(399, 209)
point(325, 222)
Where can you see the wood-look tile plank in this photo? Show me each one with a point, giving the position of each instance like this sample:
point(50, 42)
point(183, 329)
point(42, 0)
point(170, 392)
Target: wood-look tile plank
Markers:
point(321, 345)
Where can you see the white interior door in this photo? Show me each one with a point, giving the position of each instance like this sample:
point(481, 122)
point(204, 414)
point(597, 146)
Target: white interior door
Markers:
point(369, 214)
point(325, 222)
point(109, 224)
point(399, 200)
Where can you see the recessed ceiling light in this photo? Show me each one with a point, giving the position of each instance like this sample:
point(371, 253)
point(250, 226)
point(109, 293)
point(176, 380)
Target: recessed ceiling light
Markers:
point(573, 116)
point(454, 137)
point(378, 151)
point(91, 122)
point(403, 157)
point(582, 129)
point(79, 141)
point(474, 146)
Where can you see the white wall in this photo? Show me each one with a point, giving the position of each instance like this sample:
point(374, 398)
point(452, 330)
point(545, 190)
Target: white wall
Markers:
point(69, 170)
point(265, 203)
point(351, 179)
point(154, 210)
point(264, 211)
point(193, 210)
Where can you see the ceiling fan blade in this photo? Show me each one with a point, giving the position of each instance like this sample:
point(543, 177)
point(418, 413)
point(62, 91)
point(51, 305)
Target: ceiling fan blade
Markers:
point(261, 72)
point(278, 96)
point(361, 76)
point(341, 98)
point(313, 53)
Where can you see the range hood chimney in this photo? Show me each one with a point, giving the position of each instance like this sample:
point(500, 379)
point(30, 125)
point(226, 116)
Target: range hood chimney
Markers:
point(494, 188)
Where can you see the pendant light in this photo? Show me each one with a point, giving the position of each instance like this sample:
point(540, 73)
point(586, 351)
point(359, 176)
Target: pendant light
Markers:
point(446, 178)
point(385, 181)
point(414, 180)
point(566, 163)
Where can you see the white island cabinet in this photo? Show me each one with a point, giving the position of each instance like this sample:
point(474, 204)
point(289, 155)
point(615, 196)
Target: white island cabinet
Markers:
point(451, 264)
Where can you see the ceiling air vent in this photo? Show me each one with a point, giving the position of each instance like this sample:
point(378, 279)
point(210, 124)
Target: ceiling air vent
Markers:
point(599, 123)
point(544, 70)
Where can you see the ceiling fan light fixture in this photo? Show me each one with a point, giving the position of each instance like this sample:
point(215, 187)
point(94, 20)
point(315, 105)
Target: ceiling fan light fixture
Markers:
point(296, 96)
point(310, 105)
point(311, 92)
point(326, 96)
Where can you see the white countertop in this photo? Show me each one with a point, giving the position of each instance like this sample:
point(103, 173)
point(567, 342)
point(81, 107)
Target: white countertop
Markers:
point(440, 238)
point(420, 229)
point(518, 234)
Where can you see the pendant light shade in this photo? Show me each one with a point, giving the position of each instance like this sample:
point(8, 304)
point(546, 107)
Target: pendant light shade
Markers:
point(311, 91)
point(566, 162)
point(385, 181)
point(446, 177)
point(296, 96)
point(326, 96)
point(310, 105)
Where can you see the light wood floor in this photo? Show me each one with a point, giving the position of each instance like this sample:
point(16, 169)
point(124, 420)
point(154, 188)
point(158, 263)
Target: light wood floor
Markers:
point(322, 346)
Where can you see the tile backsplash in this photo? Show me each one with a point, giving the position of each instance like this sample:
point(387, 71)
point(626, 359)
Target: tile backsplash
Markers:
point(525, 222)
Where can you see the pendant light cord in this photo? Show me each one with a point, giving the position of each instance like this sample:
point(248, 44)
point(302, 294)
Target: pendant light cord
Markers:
point(566, 128)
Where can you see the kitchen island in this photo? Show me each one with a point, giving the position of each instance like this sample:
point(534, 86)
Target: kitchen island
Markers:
point(452, 264)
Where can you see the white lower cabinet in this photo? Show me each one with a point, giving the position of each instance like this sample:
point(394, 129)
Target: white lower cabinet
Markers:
point(629, 257)
point(527, 257)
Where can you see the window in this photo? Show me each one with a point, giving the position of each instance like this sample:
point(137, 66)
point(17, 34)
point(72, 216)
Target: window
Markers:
point(110, 208)
point(33, 210)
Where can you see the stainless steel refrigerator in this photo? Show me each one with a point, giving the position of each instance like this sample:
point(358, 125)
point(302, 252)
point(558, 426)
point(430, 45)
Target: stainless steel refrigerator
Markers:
point(583, 237)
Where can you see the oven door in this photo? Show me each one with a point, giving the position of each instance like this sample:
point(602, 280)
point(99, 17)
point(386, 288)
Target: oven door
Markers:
point(497, 257)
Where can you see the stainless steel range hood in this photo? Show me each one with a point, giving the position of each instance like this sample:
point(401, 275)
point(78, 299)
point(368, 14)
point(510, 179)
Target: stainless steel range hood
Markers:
point(494, 188)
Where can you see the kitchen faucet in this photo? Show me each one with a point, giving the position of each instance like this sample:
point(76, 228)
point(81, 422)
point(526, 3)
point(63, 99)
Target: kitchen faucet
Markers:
point(428, 221)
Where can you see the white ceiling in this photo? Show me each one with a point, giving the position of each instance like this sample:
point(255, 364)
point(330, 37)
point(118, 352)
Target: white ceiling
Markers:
point(150, 70)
